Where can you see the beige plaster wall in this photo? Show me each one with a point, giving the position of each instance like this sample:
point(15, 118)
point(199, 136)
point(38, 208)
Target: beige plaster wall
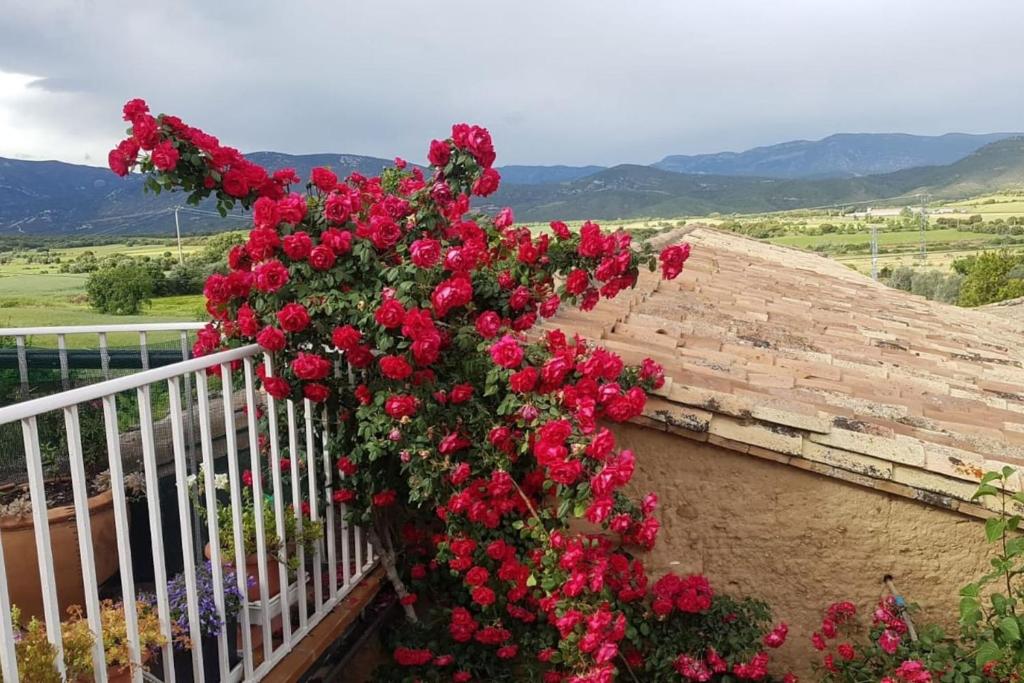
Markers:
point(796, 539)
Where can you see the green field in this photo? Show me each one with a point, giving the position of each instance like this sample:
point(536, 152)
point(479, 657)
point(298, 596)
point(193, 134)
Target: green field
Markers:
point(37, 295)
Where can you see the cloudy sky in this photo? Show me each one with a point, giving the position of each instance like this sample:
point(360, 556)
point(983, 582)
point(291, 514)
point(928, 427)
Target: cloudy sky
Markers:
point(556, 81)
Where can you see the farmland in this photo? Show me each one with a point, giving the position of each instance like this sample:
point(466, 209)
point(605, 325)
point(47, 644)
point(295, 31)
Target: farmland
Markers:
point(34, 291)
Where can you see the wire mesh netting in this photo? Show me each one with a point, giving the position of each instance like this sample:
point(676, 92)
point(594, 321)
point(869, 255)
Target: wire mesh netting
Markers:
point(84, 366)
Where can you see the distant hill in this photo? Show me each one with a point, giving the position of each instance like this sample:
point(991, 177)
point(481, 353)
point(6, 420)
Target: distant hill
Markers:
point(629, 191)
point(844, 155)
point(54, 198)
point(535, 175)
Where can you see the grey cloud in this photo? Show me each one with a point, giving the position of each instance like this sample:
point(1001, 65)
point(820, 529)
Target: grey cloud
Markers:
point(556, 82)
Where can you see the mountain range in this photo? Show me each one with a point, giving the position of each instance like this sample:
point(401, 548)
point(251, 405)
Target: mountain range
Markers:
point(55, 198)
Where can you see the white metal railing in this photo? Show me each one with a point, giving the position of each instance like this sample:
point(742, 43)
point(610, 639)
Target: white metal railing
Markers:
point(302, 595)
point(102, 332)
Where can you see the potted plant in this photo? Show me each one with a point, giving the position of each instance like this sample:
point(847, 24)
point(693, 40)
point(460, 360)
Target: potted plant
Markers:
point(16, 523)
point(115, 639)
point(307, 538)
point(36, 655)
point(210, 623)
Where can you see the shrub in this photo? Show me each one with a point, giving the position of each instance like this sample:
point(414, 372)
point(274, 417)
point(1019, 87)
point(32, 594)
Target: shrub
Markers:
point(470, 451)
point(121, 290)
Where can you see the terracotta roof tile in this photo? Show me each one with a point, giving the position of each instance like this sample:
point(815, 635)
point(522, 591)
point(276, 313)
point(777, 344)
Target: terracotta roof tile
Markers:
point(866, 374)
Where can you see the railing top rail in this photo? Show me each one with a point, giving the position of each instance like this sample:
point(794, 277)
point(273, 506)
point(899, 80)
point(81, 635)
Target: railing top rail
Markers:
point(92, 392)
point(97, 329)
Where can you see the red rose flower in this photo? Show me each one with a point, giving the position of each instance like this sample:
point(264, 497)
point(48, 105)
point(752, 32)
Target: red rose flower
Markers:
point(461, 393)
point(309, 366)
point(672, 260)
point(488, 324)
point(384, 232)
point(483, 596)
point(165, 156)
point(297, 246)
point(262, 243)
point(134, 109)
point(425, 253)
point(359, 356)
point(271, 338)
point(323, 179)
point(346, 337)
point(507, 353)
point(346, 466)
point(487, 183)
point(439, 153)
point(339, 241)
point(390, 314)
point(395, 367)
point(235, 183)
point(265, 214)
point(317, 393)
point(451, 293)
point(523, 380)
point(363, 395)
point(292, 208)
point(293, 317)
point(277, 387)
point(343, 496)
point(384, 498)
point(400, 406)
point(577, 281)
point(270, 276)
point(322, 258)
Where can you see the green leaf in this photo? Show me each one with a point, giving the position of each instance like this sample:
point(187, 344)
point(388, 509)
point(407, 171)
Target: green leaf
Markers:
point(990, 476)
point(987, 652)
point(985, 490)
point(994, 528)
point(1010, 628)
point(970, 612)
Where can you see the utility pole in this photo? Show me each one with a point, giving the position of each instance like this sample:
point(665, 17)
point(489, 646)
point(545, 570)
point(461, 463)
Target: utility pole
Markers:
point(874, 252)
point(177, 229)
point(923, 221)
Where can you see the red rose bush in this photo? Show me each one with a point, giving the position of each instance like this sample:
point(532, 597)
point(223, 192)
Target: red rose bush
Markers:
point(476, 450)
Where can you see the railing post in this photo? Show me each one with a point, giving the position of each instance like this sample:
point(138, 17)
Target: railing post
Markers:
point(143, 350)
point(104, 355)
point(234, 475)
point(185, 519)
point(8, 655)
point(22, 365)
point(300, 550)
point(213, 531)
point(89, 580)
point(275, 474)
point(41, 520)
point(62, 350)
point(257, 504)
point(314, 508)
point(124, 545)
point(156, 526)
point(190, 434)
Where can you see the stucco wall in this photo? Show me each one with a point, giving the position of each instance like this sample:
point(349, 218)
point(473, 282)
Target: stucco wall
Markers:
point(796, 539)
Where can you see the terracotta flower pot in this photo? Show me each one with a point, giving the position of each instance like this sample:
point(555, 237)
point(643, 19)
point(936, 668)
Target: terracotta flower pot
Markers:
point(22, 562)
point(118, 674)
point(121, 674)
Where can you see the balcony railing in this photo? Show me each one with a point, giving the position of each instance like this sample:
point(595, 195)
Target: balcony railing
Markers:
point(131, 410)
